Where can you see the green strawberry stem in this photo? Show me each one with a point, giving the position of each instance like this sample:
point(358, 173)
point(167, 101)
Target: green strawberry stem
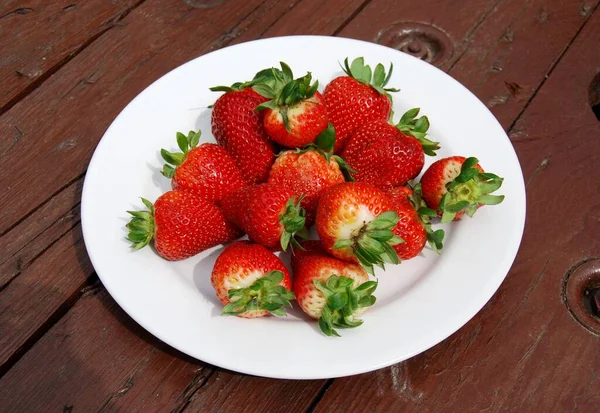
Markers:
point(469, 190)
point(141, 227)
point(372, 244)
point(343, 300)
point(435, 239)
point(175, 159)
point(409, 124)
point(324, 144)
point(282, 90)
point(377, 79)
point(293, 222)
point(264, 294)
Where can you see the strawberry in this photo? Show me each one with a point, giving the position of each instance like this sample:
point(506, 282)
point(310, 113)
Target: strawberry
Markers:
point(308, 172)
point(333, 291)
point(355, 222)
point(414, 225)
point(251, 281)
point(181, 223)
point(357, 98)
point(239, 129)
point(296, 112)
point(269, 213)
point(455, 185)
point(387, 155)
point(207, 170)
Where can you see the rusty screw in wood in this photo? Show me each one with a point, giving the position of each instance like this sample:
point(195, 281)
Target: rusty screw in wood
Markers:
point(581, 293)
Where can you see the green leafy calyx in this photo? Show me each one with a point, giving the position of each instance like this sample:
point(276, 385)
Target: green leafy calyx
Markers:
point(373, 243)
point(434, 238)
point(174, 159)
point(470, 189)
point(324, 144)
point(282, 90)
point(141, 226)
point(343, 301)
point(293, 222)
point(264, 294)
point(377, 78)
point(417, 127)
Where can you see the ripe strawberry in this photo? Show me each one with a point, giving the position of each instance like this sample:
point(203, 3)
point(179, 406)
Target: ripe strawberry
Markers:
point(269, 213)
point(208, 170)
point(308, 173)
point(181, 223)
point(414, 226)
point(239, 129)
point(355, 222)
point(333, 291)
point(455, 185)
point(296, 112)
point(387, 155)
point(251, 281)
point(357, 98)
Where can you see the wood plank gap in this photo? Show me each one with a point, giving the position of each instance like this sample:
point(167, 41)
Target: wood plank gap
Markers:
point(553, 65)
point(187, 396)
point(46, 75)
point(472, 32)
point(313, 405)
point(274, 22)
point(39, 254)
point(28, 214)
point(60, 312)
point(351, 17)
point(69, 212)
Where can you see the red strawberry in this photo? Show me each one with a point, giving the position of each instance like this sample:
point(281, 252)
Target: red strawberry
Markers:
point(414, 226)
point(181, 223)
point(331, 290)
point(308, 172)
point(355, 223)
point(239, 129)
point(455, 185)
point(251, 281)
point(357, 98)
point(386, 155)
point(268, 213)
point(208, 170)
point(296, 112)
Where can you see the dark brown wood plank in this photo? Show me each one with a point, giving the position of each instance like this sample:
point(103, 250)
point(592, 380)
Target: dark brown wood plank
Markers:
point(384, 21)
point(523, 351)
point(75, 107)
point(232, 392)
point(37, 37)
point(24, 243)
point(98, 359)
point(40, 292)
point(515, 47)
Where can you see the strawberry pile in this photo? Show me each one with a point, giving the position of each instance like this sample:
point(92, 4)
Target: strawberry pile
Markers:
point(288, 157)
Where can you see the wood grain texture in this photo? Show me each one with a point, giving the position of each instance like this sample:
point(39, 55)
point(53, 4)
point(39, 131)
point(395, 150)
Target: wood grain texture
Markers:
point(37, 37)
point(88, 93)
point(523, 351)
point(39, 293)
point(98, 359)
point(27, 241)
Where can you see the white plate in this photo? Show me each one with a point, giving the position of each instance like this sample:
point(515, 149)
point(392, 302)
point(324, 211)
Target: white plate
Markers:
point(420, 302)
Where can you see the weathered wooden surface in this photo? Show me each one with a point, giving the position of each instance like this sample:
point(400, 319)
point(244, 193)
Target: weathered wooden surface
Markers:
point(38, 37)
point(531, 62)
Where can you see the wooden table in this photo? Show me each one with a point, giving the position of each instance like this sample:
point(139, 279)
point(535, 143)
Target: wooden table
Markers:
point(68, 67)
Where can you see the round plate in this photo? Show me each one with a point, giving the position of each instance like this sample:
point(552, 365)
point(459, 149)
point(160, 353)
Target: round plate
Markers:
point(420, 302)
